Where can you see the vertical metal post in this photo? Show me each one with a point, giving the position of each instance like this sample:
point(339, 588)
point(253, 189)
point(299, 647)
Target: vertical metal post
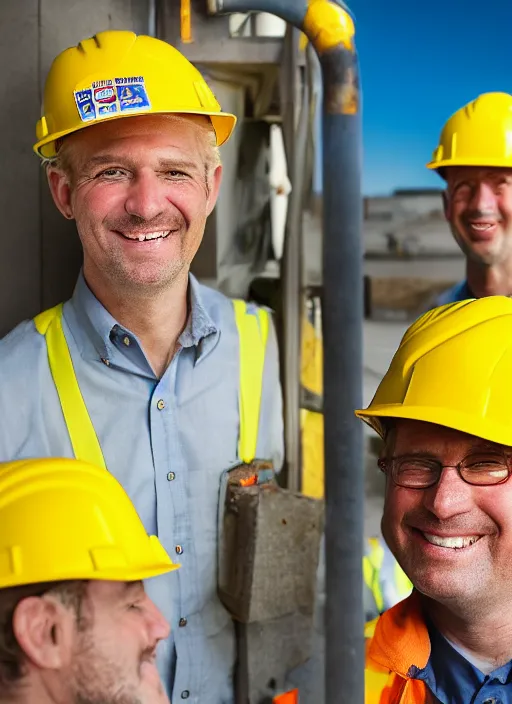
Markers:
point(342, 332)
point(330, 29)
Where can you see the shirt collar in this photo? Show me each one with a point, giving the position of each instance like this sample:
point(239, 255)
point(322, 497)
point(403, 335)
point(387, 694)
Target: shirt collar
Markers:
point(92, 325)
point(448, 671)
point(405, 644)
point(401, 638)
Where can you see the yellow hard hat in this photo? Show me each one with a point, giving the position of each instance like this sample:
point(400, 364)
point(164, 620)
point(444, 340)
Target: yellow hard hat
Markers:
point(453, 368)
point(119, 74)
point(65, 519)
point(479, 134)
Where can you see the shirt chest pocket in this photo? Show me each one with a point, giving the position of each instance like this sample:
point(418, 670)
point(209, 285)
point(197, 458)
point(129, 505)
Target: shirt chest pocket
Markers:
point(208, 418)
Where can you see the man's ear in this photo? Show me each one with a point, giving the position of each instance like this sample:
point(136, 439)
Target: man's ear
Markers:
point(60, 189)
point(44, 630)
point(214, 188)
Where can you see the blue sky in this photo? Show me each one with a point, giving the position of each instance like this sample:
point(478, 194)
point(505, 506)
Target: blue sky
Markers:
point(420, 61)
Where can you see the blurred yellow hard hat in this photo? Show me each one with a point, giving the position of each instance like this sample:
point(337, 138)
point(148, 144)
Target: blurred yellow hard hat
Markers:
point(479, 134)
point(453, 368)
point(118, 74)
point(65, 519)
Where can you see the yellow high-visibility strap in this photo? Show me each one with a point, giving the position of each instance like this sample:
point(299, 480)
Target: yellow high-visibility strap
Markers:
point(372, 564)
point(81, 431)
point(404, 585)
point(252, 336)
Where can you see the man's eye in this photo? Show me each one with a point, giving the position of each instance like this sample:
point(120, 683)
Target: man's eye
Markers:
point(503, 185)
point(174, 173)
point(461, 190)
point(111, 173)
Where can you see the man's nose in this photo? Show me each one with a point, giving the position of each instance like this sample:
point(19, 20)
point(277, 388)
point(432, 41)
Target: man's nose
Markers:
point(158, 624)
point(483, 198)
point(451, 496)
point(146, 197)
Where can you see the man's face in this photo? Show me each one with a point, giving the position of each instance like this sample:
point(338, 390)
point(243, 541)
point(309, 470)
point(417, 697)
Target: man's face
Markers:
point(140, 190)
point(478, 207)
point(416, 522)
point(114, 658)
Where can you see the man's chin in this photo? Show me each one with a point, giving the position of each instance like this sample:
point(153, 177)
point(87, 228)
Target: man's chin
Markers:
point(440, 587)
point(486, 253)
point(152, 688)
point(151, 280)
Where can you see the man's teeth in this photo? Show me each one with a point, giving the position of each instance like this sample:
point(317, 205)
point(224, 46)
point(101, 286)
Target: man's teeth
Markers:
point(451, 542)
point(481, 227)
point(149, 236)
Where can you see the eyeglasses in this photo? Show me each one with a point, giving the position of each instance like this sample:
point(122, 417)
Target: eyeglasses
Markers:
point(478, 469)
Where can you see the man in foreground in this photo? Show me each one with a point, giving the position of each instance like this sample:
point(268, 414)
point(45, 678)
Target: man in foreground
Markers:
point(76, 626)
point(141, 371)
point(444, 412)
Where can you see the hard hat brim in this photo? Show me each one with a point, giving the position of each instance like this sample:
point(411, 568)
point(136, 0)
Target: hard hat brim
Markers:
point(120, 575)
point(489, 163)
point(223, 124)
point(448, 418)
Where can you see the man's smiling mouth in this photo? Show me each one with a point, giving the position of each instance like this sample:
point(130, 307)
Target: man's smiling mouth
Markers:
point(146, 236)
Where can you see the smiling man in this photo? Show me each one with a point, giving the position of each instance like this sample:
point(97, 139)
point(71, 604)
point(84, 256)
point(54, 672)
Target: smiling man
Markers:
point(140, 371)
point(444, 412)
point(76, 626)
point(474, 157)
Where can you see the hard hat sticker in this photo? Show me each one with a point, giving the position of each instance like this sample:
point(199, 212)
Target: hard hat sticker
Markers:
point(132, 94)
point(85, 105)
point(112, 96)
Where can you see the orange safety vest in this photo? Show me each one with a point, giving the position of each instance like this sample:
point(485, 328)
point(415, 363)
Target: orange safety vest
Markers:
point(395, 642)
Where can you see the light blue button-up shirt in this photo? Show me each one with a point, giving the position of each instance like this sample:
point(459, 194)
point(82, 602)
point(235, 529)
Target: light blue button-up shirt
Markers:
point(168, 441)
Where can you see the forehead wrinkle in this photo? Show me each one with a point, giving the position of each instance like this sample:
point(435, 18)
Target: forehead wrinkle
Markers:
point(164, 162)
point(102, 137)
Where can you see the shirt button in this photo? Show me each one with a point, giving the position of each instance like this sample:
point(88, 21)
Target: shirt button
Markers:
point(171, 476)
point(126, 340)
point(185, 694)
point(160, 404)
point(182, 622)
point(179, 549)
point(105, 361)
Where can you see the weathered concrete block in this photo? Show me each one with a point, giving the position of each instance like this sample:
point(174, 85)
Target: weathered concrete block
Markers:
point(269, 552)
point(267, 652)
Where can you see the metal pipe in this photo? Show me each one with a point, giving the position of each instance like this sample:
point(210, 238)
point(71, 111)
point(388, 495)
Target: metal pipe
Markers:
point(292, 12)
point(292, 299)
point(330, 29)
point(342, 333)
point(152, 18)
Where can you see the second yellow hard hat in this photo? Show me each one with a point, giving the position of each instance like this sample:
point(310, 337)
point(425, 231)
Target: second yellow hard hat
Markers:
point(453, 368)
point(63, 519)
point(479, 134)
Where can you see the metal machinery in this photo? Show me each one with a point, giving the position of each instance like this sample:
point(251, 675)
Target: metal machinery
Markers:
point(268, 81)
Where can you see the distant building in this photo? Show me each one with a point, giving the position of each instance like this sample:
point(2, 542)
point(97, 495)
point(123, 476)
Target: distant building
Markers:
point(409, 223)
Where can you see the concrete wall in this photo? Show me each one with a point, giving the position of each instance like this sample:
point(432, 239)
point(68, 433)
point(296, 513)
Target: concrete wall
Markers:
point(40, 253)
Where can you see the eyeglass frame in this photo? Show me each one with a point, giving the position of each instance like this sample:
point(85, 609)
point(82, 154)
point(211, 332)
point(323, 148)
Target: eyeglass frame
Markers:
point(385, 465)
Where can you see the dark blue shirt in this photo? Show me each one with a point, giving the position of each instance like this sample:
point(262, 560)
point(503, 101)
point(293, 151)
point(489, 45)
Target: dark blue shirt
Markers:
point(454, 680)
point(459, 292)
